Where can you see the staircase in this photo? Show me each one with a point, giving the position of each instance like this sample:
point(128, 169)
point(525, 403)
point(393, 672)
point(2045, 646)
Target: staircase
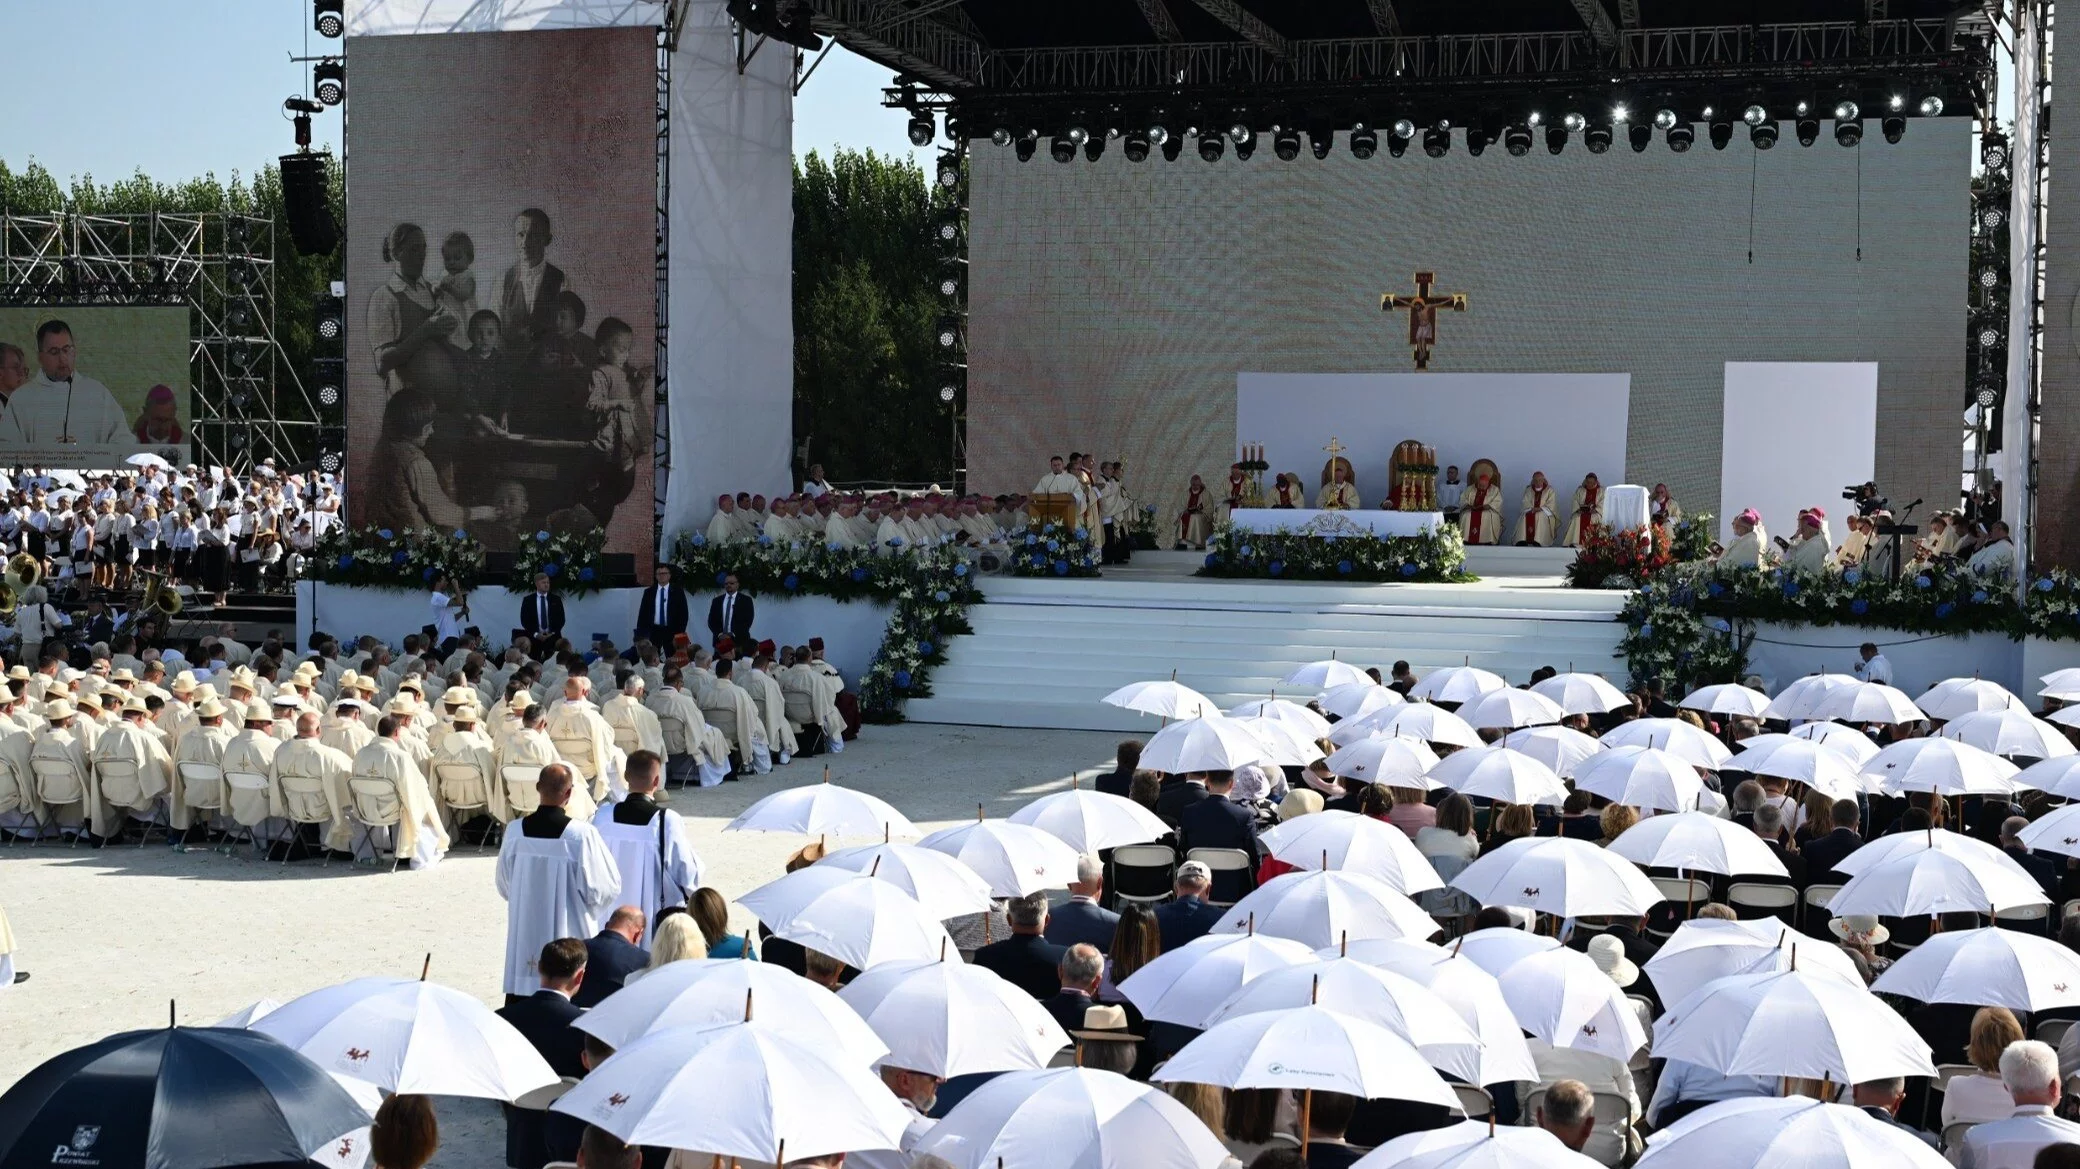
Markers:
point(1045, 651)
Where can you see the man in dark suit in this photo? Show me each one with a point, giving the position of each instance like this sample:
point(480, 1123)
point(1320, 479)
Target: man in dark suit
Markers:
point(541, 614)
point(544, 1020)
point(729, 615)
point(1769, 825)
point(1189, 916)
point(1880, 1100)
point(1080, 969)
point(662, 615)
point(1120, 780)
point(612, 955)
point(1179, 794)
point(1220, 822)
point(1026, 959)
point(1823, 853)
point(1328, 1120)
point(1081, 918)
point(528, 294)
point(2045, 873)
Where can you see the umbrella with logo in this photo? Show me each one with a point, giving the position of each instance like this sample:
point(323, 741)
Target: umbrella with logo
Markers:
point(411, 1037)
point(2057, 831)
point(179, 1098)
point(951, 1018)
point(1072, 1118)
point(1327, 673)
point(1987, 967)
point(1468, 989)
point(1358, 699)
point(1957, 697)
point(1416, 720)
point(1512, 708)
point(1561, 876)
point(1166, 697)
point(1390, 759)
point(1016, 859)
point(1563, 997)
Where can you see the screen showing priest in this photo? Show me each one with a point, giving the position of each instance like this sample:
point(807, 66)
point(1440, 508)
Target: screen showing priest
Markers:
point(91, 386)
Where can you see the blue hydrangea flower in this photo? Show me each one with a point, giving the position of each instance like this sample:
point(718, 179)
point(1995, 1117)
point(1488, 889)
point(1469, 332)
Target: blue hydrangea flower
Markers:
point(552, 568)
point(1246, 550)
point(765, 541)
point(895, 541)
point(1031, 539)
point(1212, 558)
point(790, 582)
point(1945, 609)
point(1054, 545)
point(1714, 588)
point(398, 557)
point(1061, 568)
point(1344, 567)
point(1978, 596)
point(346, 560)
point(902, 679)
point(461, 535)
point(427, 575)
point(942, 596)
point(1081, 534)
point(541, 537)
point(2045, 584)
point(1859, 606)
point(924, 648)
point(1278, 568)
point(859, 574)
point(1790, 587)
point(720, 577)
point(699, 541)
point(1922, 581)
point(1409, 569)
point(1719, 625)
point(1647, 630)
point(1852, 576)
point(960, 570)
point(585, 574)
point(386, 533)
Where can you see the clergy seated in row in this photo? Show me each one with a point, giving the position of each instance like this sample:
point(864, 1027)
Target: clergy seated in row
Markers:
point(558, 877)
point(1994, 559)
point(1811, 548)
point(1750, 547)
point(1585, 514)
point(1338, 492)
point(1540, 517)
point(1286, 492)
point(1193, 523)
point(1662, 509)
point(418, 836)
point(1480, 506)
point(694, 751)
point(1856, 546)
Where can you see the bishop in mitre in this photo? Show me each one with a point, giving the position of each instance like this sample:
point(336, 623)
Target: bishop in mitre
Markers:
point(1535, 529)
point(1338, 493)
point(651, 844)
point(1750, 547)
point(584, 739)
point(1811, 547)
point(1480, 507)
point(694, 751)
point(1585, 514)
point(558, 878)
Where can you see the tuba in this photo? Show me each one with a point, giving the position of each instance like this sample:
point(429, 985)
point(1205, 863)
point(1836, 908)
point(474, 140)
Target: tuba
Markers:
point(159, 596)
point(23, 570)
point(10, 598)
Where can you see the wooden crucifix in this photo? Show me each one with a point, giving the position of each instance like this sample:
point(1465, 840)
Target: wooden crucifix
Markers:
point(1422, 314)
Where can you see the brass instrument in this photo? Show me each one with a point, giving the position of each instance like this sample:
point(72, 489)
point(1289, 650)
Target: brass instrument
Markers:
point(23, 570)
point(10, 598)
point(158, 595)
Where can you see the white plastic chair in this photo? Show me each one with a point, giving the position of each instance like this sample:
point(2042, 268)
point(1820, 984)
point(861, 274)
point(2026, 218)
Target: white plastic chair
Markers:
point(521, 796)
point(122, 786)
point(248, 781)
point(57, 783)
point(464, 789)
point(303, 801)
point(376, 803)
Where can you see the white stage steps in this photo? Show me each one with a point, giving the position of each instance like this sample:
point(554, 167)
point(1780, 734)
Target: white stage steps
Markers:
point(1045, 651)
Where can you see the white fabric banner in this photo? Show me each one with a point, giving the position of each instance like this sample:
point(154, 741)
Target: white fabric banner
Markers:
point(370, 18)
point(1795, 434)
point(731, 313)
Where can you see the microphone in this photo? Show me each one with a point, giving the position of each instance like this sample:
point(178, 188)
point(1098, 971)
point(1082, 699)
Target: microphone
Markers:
point(65, 431)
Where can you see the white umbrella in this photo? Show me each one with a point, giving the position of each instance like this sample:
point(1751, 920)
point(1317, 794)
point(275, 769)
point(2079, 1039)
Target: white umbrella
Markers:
point(1212, 743)
point(1803, 697)
point(1706, 950)
point(1511, 708)
point(1560, 748)
point(823, 809)
point(2066, 680)
point(1943, 766)
point(2056, 832)
point(952, 1018)
point(1301, 719)
point(1791, 1023)
point(862, 921)
point(1936, 881)
point(1561, 876)
point(1075, 1118)
point(942, 885)
point(2009, 732)
point(1379, 996)
point(1284, 743)
point(1309, 1049)
point(1761, 1132)
point(148, 459)
point(1351, 843)
point(1391, 760)
point(1091, 822)
point(1499, 773)
point(1582, 693)
point(410, 1037)
point(1564, 998)
point(1697, 842)
point(1498, 948)
point(1818, 765)
point(1644, 777)
point(1987, 967)
point(1186, 985)
point(1726, 698)
point(2066, 716)
point(1457, 684)
point(245, 1016)
point(1672, 735)
point(1868, 702)
point(1465, 987)
point(1899, 844)
point(706, 992)
point(1318, 908)
point(1840, 736)
point(1326, 673)
point(1417, 720)
point(738, 1090)
point(2059, 777)
point(1165, 697)
point(1015, 859)
point(1358, 699)
point(1957, 697)
point(1476, 1144)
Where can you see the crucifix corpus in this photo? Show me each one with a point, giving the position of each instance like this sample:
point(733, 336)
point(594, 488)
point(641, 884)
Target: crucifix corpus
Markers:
point(1422, 314)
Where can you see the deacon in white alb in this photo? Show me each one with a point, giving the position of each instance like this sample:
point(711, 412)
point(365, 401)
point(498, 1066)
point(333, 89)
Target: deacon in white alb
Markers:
point(557, 876)
point(651, 845)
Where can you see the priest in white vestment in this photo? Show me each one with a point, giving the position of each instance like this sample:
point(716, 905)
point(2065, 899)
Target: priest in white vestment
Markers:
point(728, 524)
point(305, 761)
point(63, 408)
point(1480, 512)
point(346, 731)
point(651, 844)
point(530, 746)
point(1995, 559)
point(252, 751)
point(1585, 512)
point(419, 834)
point(1339, 493)
point(1540, 513)
point(729, 708)
point(693, 750)
point(1811, 549)
point(633, 725)
point(17, 782)
point(59, 759)
point(772, 709)
point(204, 744)
point(8, 974)
point(464, 770)
point(132, 770)
point(847, 530)
point(814, 695)
point(585, 741)
point(557, 876)
point(1750, 547)
point(1059, 481)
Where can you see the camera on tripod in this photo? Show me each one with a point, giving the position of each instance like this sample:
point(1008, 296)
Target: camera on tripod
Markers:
point(1865, 496)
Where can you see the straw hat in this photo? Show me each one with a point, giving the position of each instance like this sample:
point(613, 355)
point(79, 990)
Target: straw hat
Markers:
point(123, 677)
point(401, 705)
point(1609, 955)
point(56, 709)
point(1299, 802)
point(520, 702)
point(135, 705)
point(210, 708)
point(18, 673)
point(1105, 1023)
point(91, 702)
point(259, 712)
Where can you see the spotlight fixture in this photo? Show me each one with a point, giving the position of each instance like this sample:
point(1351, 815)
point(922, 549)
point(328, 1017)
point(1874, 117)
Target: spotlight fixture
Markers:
point(1664, 119)
point(328, 395)
point(921, 129)
point(1641, 135)
point(1621, 114)
point(1211, 145)
point(1535, 119)
point(1707, 113)
point(1808, 131)
point(1989, 277)
point(1556, 139)
point(1722, 133)
point(329, 81)
point(1364, 141)
point(1159, 134)
point(1763, 135)
point(1241, 132)
point(1321, 141)
point(947, 394)
point(1597, 138)
point(1993, 217)
point(1476, 140)
point(1173, 147)
point(1246, 149)
point(1994, 153)
point(1026, 145)
point(1001, 136)
point(330, 326)
point(1573, 121)
point(1517, 140)
point(1396, 146)
point(1802, 109)
point(1988, 397)
point(1404, 129)
point(1848, 131)
point(1437, 143)
point(949, 331)
point(329, 18)
point(1094, 149)
point(1931, 106)
point(949, 170)
point(1896, 103)
point(1846, 111)
point(1062, 148)
point(1754, 115)
point(1681, 137)
point(1894, 127)
point(1285, 142)
point(1079, 135)
point(1136, 146)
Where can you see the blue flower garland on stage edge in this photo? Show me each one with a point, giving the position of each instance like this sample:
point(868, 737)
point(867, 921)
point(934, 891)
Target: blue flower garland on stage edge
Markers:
point(1346, 559)
point(406, 561)
point(1049, 549)
point(573, 560)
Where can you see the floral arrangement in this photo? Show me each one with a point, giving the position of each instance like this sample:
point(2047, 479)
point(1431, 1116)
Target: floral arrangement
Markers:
point(1051, 549)
point(1141, 530)
point(2051, 607)
point(1690, 538)
point(572, 560)
point(380, 558)
point(929, 589)
point(1285, 554)
point(1620, 559)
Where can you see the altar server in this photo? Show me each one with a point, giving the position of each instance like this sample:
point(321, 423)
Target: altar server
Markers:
point(557, 876)
point(651, 845)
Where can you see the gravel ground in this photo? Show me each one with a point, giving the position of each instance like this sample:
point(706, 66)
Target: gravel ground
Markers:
point(211, 933)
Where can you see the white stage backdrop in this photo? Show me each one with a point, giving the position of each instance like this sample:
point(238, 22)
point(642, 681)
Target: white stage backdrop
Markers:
point(369, 18)
point(1795, 434)
point(1565, 424)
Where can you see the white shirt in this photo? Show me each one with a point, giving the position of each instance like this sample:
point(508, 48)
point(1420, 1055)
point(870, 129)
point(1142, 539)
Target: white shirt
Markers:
point(1448, 494)
point(815, 488)
point(1876, 670)
point(2013, 1143)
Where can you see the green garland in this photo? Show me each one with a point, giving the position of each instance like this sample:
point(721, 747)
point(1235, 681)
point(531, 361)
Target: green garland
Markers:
point(930, 591)
point(1287, 554)
point(1049, 549)
point(380, 558)
point(571, 559)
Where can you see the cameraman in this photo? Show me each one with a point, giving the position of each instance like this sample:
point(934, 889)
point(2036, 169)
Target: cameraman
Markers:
point(1866, 498)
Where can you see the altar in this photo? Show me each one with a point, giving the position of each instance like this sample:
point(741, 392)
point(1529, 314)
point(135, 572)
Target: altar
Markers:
point(1331, 524)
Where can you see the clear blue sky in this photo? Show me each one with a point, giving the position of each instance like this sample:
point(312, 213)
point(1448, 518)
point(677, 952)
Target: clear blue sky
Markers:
point(192, 86)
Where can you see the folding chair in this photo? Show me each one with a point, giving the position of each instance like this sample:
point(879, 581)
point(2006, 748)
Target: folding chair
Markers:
point(1143, 873)
point(303, 800)
point(464, 789)
point(376, 804)
point(1752, 901)
point(122, 786)
point(1954, 1134)
point(1682, 895)
point(247, 781)
point(2052, 1031)
point(1813, 911)
point(1474, 1102)
point(202, 790)
point(1232, 876)
point(57, 784)
point(519, 778)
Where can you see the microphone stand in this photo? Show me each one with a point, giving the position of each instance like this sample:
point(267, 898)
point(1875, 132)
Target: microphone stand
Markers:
point(65, 431)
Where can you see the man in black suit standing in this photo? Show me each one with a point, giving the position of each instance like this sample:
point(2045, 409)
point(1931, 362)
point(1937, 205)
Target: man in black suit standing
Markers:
point(662, 615)
point(1823, 853)
point(1081, 918)
point(1179, 794)
point(1081, 968)
point(541, 614)
point(1880, 1100)
point(1026, 959)
point(1220, 822)
point(1189, 916)
point(729, 615)
point(612, 955)
point(544, 1020)
point(1120, 780)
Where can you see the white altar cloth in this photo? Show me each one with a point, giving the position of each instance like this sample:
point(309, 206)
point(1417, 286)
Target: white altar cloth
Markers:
point(1330, 524)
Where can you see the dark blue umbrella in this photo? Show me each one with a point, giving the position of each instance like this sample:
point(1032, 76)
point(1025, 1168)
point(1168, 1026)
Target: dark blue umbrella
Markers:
point(178, 1098)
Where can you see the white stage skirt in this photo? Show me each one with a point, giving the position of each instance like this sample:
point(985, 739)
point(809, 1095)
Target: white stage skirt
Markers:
point(1330, 524)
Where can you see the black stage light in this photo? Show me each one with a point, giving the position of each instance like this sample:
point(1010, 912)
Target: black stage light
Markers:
point(1763, 134)
point(921, 130)
point(329, 81)
point(1808, 131)
point(1476, 141)
point(949, 170)
point(1556, 139)
point(1285, 142)
point(1211, 145)
point(329, 18)
point(1136, 146)
point(1001, 135)
point(1364, 141)
point(1894, 127)
point(1848, 131)
point(1597, 137)
point(1094, 149)
point(1062, 148)
point(1396, 146)
point(1681, 137)
point(1516, 139)
point(1246, 149)
point(1722, 133)
point(1437, 141)
point(1994, 153)
point(1641, 135)
point(1321, 141)
point(949, 331)
point(1026, 146)
point(1173, 147)
point(1931, 106)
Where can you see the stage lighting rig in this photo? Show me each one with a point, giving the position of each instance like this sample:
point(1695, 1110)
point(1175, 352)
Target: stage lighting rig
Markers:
point(1437, 140)
point(1212, 145)
point(1476, 140)
point(1808, 131)
point(1556, 139)
point(329, 18)
point(1364, 141)
point(1062, 148)
point(1173, 147)
point(1516, 139)
point(1285, 142)
point(1722, 133)
point(1848, 131)
point(949, 169)
point(1641, 135)
point(1136, 146)
point(1681, 137)
point(1597, 137)
point(1762, 134)
point(1894, 127)
point(921, 129)
point(1025, 147)
point(1094, 149)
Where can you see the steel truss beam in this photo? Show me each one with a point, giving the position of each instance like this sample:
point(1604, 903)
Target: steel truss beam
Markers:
point(1248, 26)
point(1598, 22)
point(1159, 19)
point(889, 34)
point(1385, 20)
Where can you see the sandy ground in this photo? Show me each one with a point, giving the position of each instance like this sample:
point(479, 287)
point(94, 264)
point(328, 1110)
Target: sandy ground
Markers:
point(111, 937)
